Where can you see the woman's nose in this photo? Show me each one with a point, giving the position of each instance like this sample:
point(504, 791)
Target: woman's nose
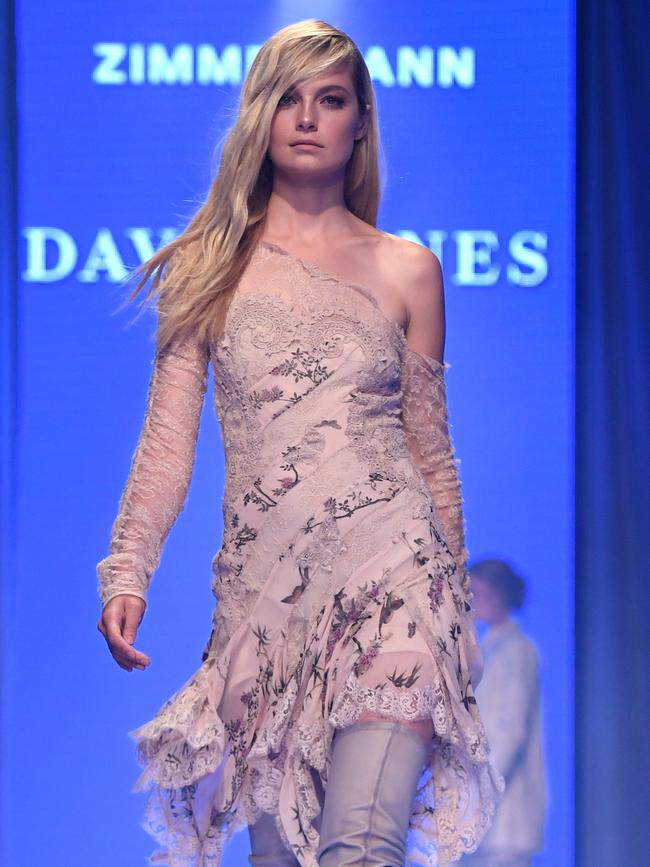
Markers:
point(306, 117)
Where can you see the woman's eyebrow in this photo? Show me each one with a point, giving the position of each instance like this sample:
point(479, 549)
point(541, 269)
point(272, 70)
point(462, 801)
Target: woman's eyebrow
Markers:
point(324, 88)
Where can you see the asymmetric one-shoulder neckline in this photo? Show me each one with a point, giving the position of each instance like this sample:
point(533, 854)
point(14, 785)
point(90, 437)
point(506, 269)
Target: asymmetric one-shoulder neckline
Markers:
point(327, 275)
point(365, 290)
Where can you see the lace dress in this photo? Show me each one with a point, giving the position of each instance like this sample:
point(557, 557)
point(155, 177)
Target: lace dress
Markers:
point(341, 581)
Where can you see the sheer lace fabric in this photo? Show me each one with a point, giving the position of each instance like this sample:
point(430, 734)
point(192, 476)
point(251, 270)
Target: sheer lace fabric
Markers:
point(160, 473)
point(426, 424)
point(340, 581)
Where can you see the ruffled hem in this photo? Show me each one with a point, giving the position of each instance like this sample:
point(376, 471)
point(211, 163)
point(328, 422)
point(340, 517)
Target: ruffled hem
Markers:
point(186, 739)
point(214, 768)
point(183, 751)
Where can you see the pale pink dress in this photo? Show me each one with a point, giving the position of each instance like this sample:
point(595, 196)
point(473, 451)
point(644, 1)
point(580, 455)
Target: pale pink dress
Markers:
point(341, 578)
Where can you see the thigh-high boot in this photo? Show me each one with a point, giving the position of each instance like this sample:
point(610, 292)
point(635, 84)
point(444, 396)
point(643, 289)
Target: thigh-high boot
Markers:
point(372, 780)
point(267, 847)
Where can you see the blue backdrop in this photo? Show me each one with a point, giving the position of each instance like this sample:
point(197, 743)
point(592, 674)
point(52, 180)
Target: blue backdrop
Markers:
point(120, 112)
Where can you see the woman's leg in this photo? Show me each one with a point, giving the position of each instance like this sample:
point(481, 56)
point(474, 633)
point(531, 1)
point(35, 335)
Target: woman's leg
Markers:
point(423, 727)
point(375, 767)
point(267, 847)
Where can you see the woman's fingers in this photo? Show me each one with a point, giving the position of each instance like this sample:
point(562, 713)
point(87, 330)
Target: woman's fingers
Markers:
point(121, 649)
point(133, 616)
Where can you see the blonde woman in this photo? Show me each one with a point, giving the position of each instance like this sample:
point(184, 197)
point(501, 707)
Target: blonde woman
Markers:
point(333, 713)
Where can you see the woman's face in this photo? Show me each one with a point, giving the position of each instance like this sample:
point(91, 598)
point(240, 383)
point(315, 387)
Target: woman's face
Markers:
point(324, 110)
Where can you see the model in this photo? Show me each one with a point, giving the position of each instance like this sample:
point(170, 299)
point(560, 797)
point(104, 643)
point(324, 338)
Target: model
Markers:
point(333, 713)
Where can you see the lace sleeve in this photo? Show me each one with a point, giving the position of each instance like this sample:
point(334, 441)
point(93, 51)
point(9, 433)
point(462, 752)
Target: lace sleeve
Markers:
point(161, 469)
point(426, 424)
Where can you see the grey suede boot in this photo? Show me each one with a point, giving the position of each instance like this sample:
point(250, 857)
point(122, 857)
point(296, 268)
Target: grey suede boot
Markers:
point(267, 847)
point(375, 769)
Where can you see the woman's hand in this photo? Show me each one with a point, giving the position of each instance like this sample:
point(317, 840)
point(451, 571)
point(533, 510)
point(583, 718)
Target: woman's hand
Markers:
point(119, 624)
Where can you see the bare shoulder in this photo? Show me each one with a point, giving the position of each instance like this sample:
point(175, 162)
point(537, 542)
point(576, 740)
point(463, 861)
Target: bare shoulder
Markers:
point(416, 270)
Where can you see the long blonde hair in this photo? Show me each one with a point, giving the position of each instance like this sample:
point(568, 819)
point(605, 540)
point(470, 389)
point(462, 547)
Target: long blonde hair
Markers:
point(195, 274)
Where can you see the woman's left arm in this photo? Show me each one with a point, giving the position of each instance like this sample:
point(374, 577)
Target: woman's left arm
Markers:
point(424, 401)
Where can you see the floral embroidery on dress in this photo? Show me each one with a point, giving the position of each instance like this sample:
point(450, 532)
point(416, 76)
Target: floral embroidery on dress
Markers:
point(340, 583)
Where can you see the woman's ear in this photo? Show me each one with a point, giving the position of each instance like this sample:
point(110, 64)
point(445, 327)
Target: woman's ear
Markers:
point(362, 127)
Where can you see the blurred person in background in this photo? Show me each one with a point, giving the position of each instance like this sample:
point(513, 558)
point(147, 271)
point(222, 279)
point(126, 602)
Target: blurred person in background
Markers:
point(509, 697)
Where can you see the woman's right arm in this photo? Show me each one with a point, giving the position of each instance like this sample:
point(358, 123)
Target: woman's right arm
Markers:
point(155, 490)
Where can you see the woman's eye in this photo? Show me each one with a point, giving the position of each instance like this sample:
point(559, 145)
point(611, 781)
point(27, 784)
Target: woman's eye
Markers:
point(338, 101)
